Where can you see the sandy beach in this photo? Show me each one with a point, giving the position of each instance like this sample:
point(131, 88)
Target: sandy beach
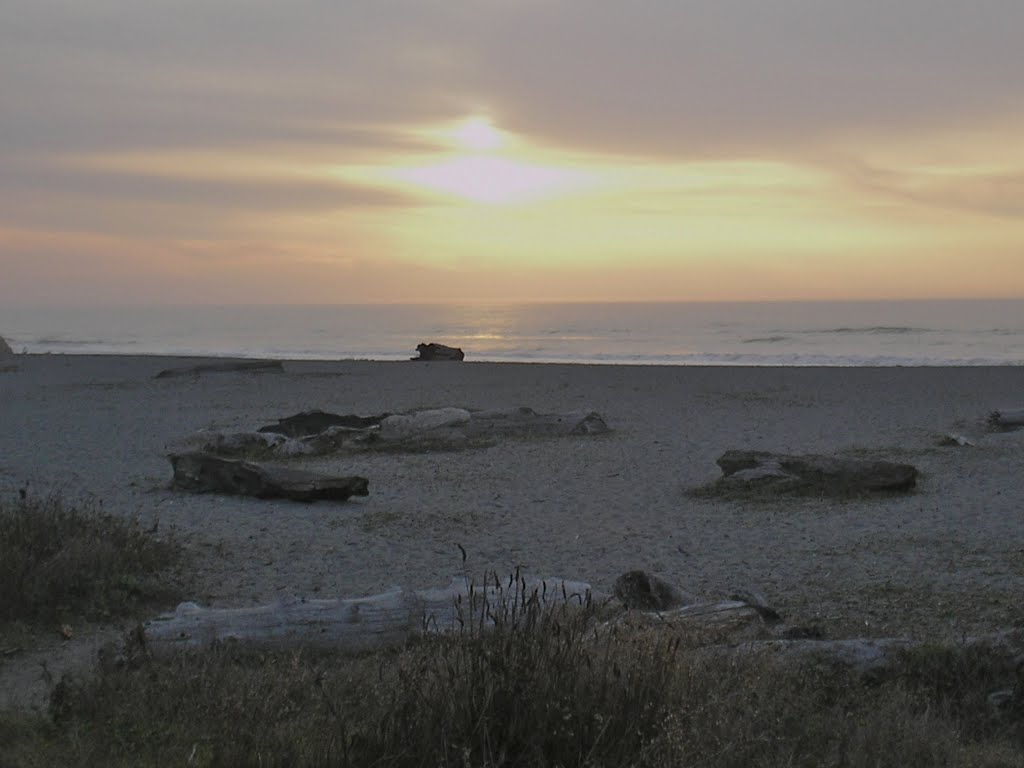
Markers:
point(944, 561)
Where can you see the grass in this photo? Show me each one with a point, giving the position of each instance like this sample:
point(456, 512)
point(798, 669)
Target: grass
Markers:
point(541, 688)
point(60, 561)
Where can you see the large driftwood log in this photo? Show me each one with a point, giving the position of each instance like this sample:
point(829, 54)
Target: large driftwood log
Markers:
point(309, 423)
point(526, 422)
point(871, 656)
point(392, 618)
point(435, 428)
point(202, 473)
point(646, 592)
point(235, 366)
point(379, 621)
point(824, 475)
point(433, 351)
point(1007, 418)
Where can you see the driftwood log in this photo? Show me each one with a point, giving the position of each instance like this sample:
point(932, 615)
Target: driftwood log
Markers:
point(428, 352)
point(872, 656)
point(309, 423)
point(202, 473)
point(645, 592)
point(818, 475)
point(386, 620)
point(441, 428)
point(526, 422)
point(1009, 418)
point(235, 366)
point(391, 619)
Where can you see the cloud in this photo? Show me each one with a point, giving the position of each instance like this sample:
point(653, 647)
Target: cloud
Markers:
point(997, 194)
point(686, 78)
point(813, 85)
point(81, 196)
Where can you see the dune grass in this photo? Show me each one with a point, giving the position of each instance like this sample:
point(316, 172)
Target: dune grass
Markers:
point(62, 561)
point(540, 689)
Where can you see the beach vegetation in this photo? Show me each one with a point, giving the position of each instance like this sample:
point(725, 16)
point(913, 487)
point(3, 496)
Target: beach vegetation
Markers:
point(539, 687)
point(61, 561)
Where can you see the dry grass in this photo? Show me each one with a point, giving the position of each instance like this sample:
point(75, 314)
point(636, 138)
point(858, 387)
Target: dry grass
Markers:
point(540, 688)
point(61, 561)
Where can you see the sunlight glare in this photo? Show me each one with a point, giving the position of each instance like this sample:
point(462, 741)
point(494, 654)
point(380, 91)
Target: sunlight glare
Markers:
point(492, 179)
point(478, 134)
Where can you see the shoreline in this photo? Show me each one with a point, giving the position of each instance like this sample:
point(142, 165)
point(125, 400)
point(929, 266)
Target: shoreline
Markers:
point(470, 362)
point(939, 562)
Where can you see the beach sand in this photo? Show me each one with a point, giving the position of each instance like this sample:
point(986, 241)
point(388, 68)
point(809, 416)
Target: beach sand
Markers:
point(942, 562)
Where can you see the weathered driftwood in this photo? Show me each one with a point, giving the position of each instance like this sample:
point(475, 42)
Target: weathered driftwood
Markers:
point(526, 422)
point(408, 426)
point(235, 366)
point(436, 428)
point(202, 473)
point(871, 656)
point(643, 591)
point(379, 621)
point(824, 475)
point(390, 619)
point(309, 423)
point(955, 439)
point(433, 351)
point(1007, 418)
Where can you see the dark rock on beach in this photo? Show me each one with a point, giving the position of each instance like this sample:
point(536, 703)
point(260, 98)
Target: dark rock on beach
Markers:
point(5, 349)
point(439, 352)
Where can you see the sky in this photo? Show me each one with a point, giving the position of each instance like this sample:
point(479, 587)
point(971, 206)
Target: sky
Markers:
point(335, 151)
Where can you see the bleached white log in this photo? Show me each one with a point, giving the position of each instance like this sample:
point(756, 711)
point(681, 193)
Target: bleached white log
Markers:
point(403, 426)
point(386, 620)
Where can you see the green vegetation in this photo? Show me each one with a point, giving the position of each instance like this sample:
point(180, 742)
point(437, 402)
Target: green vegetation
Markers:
point(59, 562)
point(542, 689)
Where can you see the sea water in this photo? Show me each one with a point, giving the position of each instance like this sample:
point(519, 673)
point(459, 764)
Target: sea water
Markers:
point(882, 333)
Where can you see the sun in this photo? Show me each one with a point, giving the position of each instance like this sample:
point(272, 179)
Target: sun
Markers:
point(477, 134)
point(470, 160)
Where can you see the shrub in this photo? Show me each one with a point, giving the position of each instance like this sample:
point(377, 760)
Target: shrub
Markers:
point(59, 561)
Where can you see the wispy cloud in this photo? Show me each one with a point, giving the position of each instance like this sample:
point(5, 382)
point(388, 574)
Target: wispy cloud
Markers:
point(675, 137)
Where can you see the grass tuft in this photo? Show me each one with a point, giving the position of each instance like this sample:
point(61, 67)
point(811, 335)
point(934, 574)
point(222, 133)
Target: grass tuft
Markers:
point(61, 561)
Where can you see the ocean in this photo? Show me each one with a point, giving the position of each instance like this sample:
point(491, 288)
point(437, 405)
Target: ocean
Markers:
point(879, 333)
